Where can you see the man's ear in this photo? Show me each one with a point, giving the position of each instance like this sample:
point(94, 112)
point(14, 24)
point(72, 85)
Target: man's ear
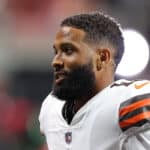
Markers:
point(103, 57)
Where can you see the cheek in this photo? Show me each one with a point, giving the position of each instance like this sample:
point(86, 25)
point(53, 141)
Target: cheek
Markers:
point(73, 60)
point(77, 59)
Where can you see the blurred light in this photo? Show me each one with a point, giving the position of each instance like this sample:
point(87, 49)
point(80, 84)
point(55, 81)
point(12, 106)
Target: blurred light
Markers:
point(136, 54)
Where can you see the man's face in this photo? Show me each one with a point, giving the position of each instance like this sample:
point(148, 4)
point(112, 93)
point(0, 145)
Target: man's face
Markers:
point(74, 77)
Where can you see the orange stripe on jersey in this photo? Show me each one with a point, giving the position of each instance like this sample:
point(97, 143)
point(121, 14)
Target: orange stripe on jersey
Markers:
point(134, 119)
point(139, 86)
point(134, 106)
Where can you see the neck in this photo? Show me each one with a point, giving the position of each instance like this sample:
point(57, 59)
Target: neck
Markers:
point(82, 101)
point(104, 79)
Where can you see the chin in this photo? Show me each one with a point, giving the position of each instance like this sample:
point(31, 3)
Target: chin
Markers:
point(80, 82)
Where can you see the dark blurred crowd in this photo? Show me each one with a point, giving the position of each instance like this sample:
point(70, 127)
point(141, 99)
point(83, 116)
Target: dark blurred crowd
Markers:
point(27, 26)
point(19, 128)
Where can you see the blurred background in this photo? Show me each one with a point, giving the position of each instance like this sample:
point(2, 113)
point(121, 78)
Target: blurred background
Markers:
point(27, 31)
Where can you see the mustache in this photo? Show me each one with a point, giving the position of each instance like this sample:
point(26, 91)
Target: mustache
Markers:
point(59, 73)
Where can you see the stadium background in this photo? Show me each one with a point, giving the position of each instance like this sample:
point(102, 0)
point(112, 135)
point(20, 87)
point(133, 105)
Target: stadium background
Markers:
point(27, 29)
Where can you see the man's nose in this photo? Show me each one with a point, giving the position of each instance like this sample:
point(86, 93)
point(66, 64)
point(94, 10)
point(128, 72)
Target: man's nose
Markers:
point(57, 63)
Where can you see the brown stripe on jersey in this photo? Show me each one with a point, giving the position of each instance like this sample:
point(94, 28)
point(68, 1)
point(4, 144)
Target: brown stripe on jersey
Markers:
point(133, 120)
point(138, 124)
point(133, 106)
point(134, 113)
point(134, 99)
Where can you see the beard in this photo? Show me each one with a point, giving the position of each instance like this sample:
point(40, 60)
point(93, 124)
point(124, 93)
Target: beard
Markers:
point(79, 83)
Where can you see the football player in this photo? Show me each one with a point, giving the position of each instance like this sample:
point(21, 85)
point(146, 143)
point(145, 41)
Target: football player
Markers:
point(87, 109)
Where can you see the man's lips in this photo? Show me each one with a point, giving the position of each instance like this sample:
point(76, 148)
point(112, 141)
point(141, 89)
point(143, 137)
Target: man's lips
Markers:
point(59, 76)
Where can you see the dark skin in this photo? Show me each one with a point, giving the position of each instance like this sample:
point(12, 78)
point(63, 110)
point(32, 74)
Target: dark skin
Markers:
point(71, 50)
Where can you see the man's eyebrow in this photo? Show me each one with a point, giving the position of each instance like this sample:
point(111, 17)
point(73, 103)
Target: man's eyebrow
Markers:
point(68, 44)
point(64, 43)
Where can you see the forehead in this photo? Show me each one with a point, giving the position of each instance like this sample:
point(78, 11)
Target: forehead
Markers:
point(70, 33)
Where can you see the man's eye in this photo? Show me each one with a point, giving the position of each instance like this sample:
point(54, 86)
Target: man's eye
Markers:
point(68, 50)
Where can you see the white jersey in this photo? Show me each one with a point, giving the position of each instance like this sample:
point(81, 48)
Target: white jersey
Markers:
point(117, 118)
